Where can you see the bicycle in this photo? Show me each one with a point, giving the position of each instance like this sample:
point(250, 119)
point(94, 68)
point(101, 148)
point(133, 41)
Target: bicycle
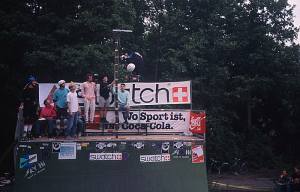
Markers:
point(239, 167)
point(216, 166)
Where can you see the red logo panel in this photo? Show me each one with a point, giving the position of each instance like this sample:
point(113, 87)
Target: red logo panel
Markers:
point(198, 122)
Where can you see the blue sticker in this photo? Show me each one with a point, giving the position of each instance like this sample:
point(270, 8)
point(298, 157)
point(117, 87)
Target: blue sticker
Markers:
point(26, 161)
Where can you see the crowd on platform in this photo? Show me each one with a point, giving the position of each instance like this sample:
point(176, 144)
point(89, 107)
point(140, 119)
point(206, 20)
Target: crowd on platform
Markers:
point(61, 114)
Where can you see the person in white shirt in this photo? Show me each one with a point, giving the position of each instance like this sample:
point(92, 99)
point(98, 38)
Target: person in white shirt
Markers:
point(73, 110)
point(89, 94)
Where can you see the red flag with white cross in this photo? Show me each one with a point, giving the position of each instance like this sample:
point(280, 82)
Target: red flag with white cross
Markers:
point(180, 94)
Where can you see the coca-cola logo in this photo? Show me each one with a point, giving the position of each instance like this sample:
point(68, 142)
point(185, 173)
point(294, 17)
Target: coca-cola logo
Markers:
point(195, 121)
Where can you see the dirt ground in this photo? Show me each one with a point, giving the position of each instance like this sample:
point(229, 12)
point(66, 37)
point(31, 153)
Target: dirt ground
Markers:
point(255, 181)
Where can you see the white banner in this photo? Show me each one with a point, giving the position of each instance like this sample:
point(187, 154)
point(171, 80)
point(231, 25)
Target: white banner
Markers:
point(159, 93)
point(47, 90)
point(155, 158)
point(106, 157)
point(153, 121)
point(140, 93)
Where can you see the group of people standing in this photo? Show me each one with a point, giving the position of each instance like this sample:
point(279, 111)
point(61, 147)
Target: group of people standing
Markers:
point(63, 108)
point(289, 183)
point(89, 93)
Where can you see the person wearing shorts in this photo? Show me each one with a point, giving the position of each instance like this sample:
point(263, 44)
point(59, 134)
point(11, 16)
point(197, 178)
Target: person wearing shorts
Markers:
point(105, 88)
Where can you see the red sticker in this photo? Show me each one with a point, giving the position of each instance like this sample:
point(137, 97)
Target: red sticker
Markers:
point(197, 154)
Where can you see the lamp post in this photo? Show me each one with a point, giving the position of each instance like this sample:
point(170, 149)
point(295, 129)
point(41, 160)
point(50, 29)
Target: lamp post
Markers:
point(117, 34)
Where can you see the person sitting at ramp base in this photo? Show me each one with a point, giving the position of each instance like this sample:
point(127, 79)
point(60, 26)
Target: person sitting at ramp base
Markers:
point(47, 117)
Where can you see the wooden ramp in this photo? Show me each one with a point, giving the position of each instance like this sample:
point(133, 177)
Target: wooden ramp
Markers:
point(132, 163)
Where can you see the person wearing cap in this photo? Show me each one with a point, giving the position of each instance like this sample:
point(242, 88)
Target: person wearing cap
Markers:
point(30, 105)
point(89, 95)
point(73, 111)
point(60, 99)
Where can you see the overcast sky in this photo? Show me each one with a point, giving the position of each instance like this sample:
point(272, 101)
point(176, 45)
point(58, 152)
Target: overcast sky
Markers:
point(297, 14)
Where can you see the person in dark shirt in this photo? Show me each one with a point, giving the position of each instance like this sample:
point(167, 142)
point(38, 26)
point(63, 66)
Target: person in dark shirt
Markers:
point(30, 105)
point(137, 59)
point(283, 182)
point(105, 88)
point(284, 177)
